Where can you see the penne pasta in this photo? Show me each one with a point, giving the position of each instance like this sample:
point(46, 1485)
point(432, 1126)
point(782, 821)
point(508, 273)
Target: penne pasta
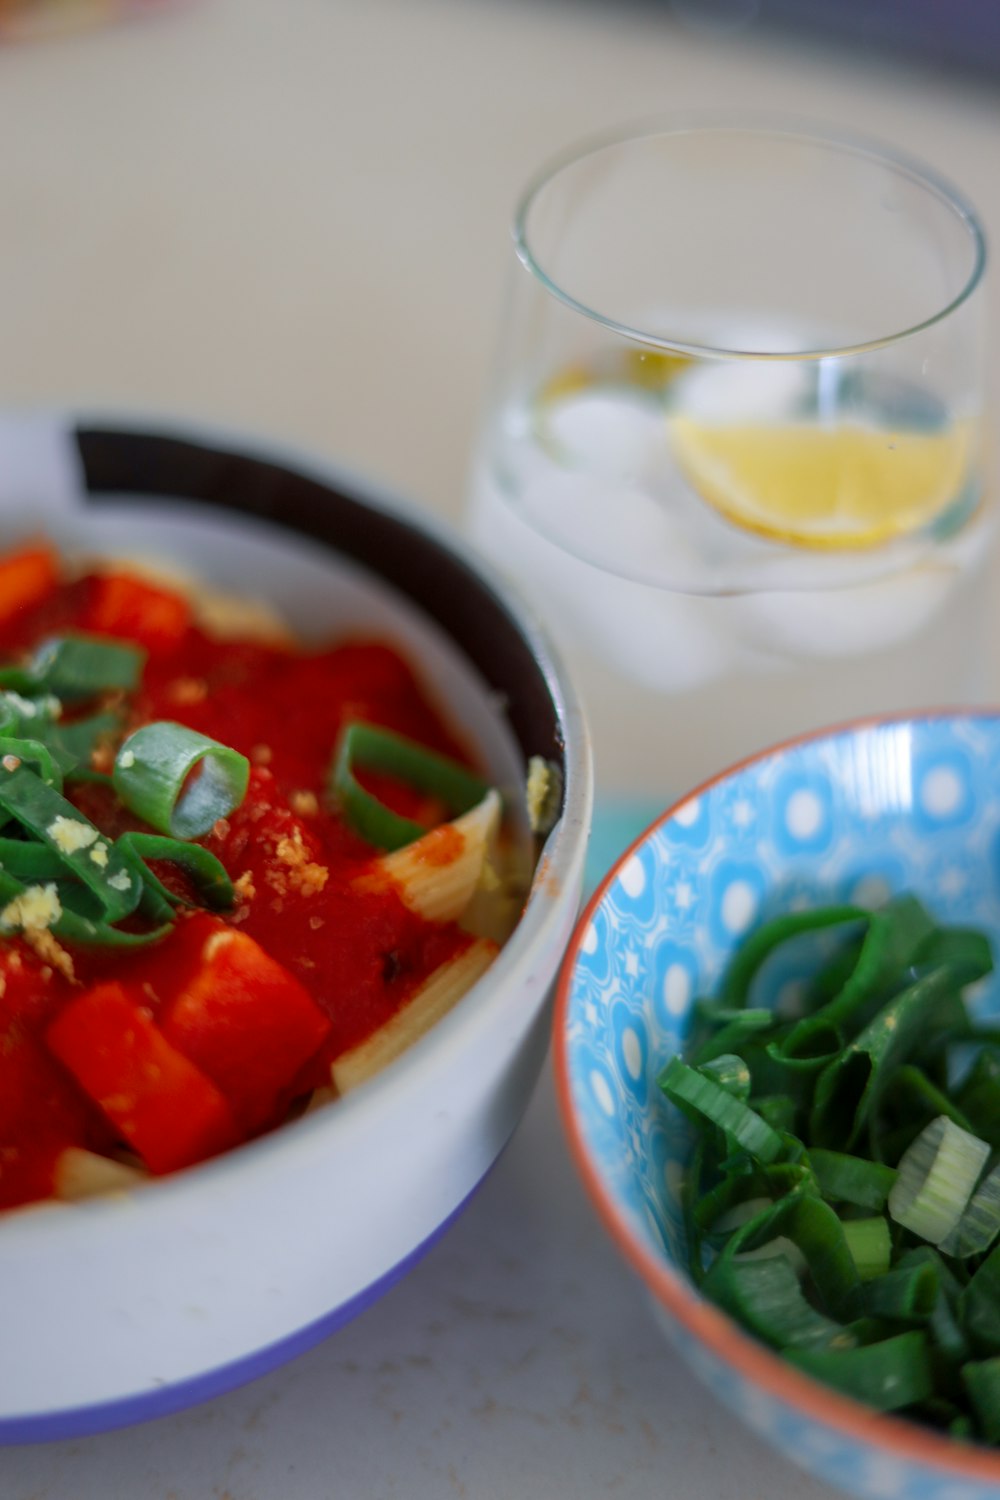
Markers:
point(227, 617)
point(497, 903)
point(84, 1174)
point(437, 875)
point(434, 999)
point(319, 1099)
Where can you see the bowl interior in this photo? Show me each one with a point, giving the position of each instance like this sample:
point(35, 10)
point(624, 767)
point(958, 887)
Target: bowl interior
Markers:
point(902, 805)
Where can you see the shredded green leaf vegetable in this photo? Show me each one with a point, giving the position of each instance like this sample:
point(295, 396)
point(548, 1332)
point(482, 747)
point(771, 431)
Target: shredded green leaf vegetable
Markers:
point(842, 1200)
point(58, 871)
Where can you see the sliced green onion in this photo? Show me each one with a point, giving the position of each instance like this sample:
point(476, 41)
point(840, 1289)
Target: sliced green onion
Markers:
point(778, 1110)
point(820, 1047)
point(77, 666)
point(981, 1379)
point(85, 852)
point(766, 1297)
point(740, 1213)
point(736, 1026)
point(37, 723)
point(751, 954)
point(32, 753)
point(851, 1179)
point(206, 873)
point(887, 1144)
point(909, 1293)
point(90, 934)
point(27, 860)
point(367, 747)
point(83, 903)
point(917, 1089)
point(781, 1247)
point(695, 1093)
point(944, 1328)
point(36, 715)
point(862, 1073)
point(80, 738)
point(17, 680)
point(816, 1232)
point(69, 926)
point(949, 1339)
point(690, 1200)
point(84, 773)
point(869, 1330)
point(815, 1229)
point(893, 939)
point(966, 952)
point(760, 1185)
point(978, 1096)
point(178, 781)
point(936, 1178)
point(980, 1223)
point(870, 1244)
point(979, 1306)
point(849, 1088)
point(894, 1373)
point(730, 1073)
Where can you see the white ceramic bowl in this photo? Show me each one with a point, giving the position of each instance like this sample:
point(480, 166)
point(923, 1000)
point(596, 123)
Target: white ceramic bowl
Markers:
point(120, 1309)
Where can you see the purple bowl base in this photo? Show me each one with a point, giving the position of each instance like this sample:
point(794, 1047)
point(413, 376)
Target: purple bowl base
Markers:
point(86, 1421)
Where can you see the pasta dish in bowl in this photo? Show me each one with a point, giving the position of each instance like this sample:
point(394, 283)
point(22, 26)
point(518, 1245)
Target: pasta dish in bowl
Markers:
point(278, 914)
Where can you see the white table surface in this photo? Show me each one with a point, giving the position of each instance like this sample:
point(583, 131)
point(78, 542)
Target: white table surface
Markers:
point(292, 217)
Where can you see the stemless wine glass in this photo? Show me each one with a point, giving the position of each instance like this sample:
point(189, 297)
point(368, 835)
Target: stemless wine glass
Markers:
point(734, 448)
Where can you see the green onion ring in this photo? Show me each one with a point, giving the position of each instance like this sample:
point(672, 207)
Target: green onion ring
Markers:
point(153, 777)
point(77, 666)
point(377, 749)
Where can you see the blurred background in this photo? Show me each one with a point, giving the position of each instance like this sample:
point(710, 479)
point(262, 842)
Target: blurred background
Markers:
point(294, 217)
point(291, 216)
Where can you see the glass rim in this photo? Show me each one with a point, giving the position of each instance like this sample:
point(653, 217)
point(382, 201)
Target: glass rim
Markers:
point(783, 128)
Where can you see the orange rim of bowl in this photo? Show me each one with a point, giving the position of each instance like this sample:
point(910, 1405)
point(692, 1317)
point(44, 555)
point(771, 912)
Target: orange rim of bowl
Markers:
point(850, 1419)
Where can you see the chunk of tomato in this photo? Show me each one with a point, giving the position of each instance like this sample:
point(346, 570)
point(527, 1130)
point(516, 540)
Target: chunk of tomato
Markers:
point(154, 1096)
point(121, 605)
point(243, 1020)
point(41, 1110)
point(26, 578)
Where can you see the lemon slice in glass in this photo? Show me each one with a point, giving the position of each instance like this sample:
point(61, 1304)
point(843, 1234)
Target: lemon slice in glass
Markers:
point(844, 486)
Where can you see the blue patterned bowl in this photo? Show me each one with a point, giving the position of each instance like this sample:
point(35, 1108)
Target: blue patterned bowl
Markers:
point(903, 804)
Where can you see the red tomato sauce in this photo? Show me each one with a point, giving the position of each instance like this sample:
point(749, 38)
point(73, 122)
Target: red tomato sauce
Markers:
point(353, 957)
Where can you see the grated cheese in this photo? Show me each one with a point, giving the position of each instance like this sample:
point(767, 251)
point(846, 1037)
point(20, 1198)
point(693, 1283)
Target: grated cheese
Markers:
point(544, 794)
point(305, 803)
point(28, 708)
point(69, 835)
point(37, 907)
point(300, 873)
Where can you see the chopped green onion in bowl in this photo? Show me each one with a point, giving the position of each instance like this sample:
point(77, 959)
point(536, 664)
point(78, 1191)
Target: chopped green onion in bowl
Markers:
point(869, 1251)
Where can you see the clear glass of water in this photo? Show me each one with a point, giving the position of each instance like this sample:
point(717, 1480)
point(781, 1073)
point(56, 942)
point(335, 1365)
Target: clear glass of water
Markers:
point(733, 452)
